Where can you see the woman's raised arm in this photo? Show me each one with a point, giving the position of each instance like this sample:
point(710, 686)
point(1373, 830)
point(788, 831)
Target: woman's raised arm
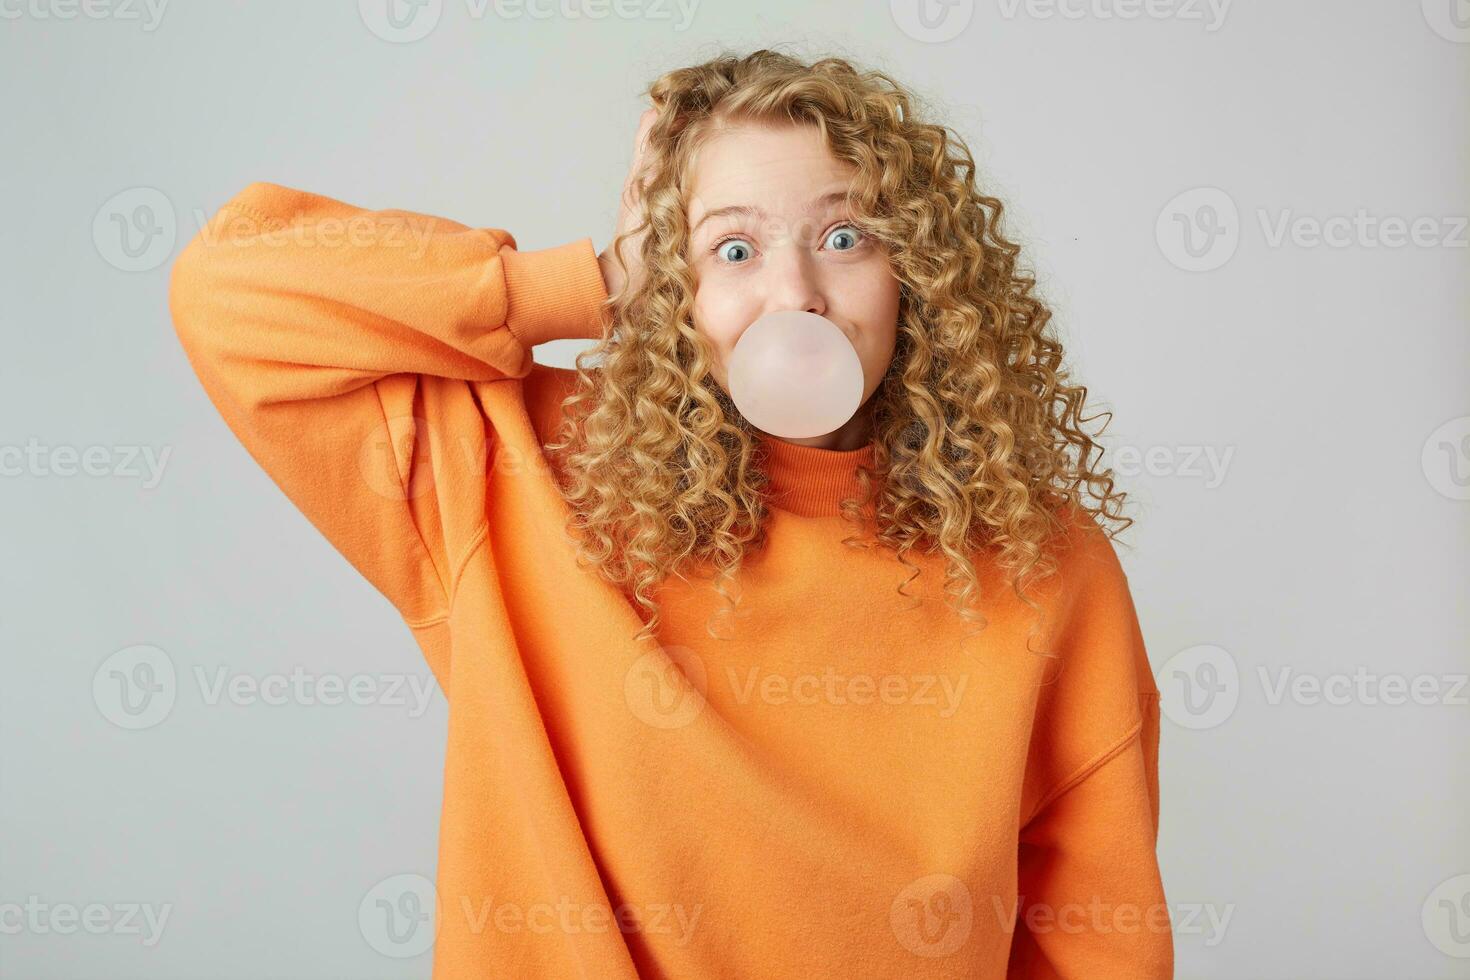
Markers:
point(340, 345)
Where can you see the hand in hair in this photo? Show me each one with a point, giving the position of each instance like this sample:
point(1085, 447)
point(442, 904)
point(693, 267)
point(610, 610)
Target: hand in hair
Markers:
point(612, 273)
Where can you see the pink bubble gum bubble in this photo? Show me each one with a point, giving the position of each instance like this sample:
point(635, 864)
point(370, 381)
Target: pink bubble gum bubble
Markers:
point(795, 375)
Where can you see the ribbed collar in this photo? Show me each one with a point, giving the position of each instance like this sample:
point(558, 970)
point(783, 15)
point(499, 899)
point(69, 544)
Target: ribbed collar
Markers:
point(808, 481)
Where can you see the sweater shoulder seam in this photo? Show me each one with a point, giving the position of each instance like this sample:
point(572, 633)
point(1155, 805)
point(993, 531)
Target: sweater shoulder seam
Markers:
point(480, 536)
point(456, 575)
point(1089, 767)
point(418, 533)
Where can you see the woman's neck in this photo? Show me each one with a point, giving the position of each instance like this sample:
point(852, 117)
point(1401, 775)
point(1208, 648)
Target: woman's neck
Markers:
point(855, 433)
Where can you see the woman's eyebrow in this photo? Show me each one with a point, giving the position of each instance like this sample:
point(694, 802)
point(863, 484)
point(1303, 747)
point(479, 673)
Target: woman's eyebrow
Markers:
point(750, 210)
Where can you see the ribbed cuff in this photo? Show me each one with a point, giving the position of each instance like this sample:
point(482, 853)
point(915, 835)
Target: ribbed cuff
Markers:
point(554, 293)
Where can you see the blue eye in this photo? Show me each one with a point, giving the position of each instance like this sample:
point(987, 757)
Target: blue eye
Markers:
point(724, 256)
point(847, 231)
point(734, 250)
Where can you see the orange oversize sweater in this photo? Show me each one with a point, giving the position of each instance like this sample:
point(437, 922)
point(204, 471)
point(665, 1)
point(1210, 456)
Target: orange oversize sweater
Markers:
point(851, 782)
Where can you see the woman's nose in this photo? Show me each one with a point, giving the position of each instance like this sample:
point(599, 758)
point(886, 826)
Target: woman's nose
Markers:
point(794, 284)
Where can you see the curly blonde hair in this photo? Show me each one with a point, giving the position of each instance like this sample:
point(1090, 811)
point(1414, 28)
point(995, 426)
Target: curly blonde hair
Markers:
point(978, 437)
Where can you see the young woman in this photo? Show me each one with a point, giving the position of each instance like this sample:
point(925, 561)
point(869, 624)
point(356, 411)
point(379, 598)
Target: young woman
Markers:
point(721, 704)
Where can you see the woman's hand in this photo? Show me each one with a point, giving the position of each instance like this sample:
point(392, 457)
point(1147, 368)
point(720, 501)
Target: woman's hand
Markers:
point(612, 274)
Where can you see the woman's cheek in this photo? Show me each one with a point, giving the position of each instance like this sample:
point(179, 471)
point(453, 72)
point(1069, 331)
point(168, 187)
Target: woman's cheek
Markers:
point(711, 324)
point(717, 316)
point(874, 298)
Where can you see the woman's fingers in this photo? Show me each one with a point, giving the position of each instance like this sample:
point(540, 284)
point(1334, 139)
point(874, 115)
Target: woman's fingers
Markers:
point(640, 144)
point(628, 218)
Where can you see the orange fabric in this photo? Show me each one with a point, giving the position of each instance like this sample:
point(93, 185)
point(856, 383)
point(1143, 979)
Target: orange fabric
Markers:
point(853, 782)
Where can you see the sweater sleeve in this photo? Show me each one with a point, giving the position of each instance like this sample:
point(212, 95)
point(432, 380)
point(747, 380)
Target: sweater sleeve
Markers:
point(1091, 900)
point(340, 345)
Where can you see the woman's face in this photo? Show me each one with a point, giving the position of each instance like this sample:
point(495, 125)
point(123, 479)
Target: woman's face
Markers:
point(768, 233)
